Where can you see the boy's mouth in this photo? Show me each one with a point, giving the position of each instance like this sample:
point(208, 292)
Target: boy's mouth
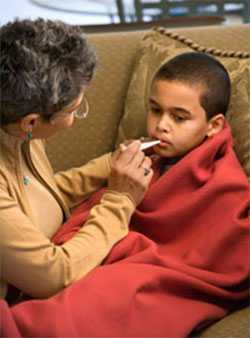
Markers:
point(149, 144)
point(164, 143)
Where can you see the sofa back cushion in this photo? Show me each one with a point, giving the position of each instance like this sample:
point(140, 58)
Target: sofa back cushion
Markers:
point(160, 45)
point(106, 94)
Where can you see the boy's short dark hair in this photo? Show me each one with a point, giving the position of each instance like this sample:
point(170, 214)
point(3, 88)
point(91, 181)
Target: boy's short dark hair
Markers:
point(44, 65)
point(201, 69)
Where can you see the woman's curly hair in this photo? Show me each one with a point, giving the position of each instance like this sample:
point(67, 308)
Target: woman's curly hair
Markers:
point(44, 66)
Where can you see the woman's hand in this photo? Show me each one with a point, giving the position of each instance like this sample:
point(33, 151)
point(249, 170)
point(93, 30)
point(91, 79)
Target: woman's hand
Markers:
point(131, 171)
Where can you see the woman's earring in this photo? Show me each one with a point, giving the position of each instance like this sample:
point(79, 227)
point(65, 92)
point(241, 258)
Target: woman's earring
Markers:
point(29, 135)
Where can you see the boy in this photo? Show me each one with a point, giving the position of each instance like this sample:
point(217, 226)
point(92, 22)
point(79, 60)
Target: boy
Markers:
point(185, 262)
point(189, 97)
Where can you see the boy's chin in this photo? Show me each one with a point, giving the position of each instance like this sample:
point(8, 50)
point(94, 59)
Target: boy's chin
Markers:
point(164, 152)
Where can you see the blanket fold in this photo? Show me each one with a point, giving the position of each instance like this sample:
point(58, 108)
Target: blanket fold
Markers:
point(183, 265)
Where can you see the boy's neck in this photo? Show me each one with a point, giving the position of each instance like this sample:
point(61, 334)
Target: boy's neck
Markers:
point(164, 163)
point(168, 162)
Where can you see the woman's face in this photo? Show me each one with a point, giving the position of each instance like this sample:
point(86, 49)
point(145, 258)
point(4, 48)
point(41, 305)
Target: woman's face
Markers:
point(60, 120)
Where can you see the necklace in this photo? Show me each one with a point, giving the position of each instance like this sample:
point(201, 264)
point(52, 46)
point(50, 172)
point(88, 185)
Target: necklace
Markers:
point(26, 180)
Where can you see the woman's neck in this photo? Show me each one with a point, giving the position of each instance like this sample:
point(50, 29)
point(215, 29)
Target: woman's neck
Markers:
point(13, 129)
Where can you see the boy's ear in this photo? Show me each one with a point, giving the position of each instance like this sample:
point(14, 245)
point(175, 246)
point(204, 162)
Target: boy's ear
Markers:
point(215, 125)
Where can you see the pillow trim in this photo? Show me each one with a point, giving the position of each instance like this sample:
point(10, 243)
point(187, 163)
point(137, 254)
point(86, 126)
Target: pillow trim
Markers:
point(195, 46)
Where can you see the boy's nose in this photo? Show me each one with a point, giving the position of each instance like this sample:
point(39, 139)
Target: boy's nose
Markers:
point(164, 124)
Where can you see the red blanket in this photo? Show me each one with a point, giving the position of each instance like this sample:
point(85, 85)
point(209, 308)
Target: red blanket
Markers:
point(184, 265)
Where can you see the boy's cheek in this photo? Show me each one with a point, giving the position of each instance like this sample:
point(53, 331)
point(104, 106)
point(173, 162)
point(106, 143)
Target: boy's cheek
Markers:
point(150, 127)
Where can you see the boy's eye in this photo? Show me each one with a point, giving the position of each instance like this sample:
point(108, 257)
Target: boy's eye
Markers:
point(179, 118)
point(155, 110)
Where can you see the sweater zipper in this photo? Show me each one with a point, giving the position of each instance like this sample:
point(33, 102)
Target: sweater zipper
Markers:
point(28, 158)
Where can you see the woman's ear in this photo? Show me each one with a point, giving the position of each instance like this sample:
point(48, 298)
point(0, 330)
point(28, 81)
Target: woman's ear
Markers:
point(215, 125)
point(28, 122)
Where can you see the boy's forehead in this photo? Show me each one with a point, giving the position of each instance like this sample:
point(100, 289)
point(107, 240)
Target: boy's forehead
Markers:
point(167, 87)
point(177, 90)
point(177, 95)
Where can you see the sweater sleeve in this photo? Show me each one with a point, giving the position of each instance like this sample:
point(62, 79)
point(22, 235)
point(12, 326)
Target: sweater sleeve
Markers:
point(32, 263)
point(77, 183)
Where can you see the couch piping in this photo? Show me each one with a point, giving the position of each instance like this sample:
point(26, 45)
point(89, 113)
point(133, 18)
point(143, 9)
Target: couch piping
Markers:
point(211, 50)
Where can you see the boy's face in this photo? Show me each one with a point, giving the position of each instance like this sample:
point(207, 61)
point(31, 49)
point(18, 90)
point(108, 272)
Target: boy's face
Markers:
point(176, 117)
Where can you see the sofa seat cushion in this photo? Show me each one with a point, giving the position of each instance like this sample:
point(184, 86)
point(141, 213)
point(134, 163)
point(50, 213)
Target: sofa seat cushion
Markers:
point(227, 327)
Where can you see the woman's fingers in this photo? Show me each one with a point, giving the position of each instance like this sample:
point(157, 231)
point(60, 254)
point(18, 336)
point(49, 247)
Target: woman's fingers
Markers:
point(126, 153)
point(146, 165)
point(130, 171)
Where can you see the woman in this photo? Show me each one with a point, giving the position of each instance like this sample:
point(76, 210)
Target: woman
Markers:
point(45, 68)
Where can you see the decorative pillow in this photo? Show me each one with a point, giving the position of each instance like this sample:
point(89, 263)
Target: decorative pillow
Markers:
point(160, 45)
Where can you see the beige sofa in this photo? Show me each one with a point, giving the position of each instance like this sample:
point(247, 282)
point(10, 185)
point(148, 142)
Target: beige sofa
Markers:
point(117, 53)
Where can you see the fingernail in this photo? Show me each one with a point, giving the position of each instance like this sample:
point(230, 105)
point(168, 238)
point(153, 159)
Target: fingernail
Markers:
point(136, 142)
point(123, 147)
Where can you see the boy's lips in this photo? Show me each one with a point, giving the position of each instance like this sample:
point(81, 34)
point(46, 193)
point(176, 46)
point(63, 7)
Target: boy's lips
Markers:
point(164, 143)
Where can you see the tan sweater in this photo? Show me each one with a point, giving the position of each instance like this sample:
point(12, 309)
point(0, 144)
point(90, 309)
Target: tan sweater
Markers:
point(29, 260)
point(42, 201)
